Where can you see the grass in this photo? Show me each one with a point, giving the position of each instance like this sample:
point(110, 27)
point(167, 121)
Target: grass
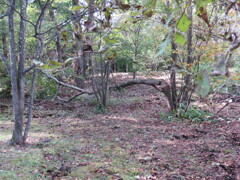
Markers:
point(44, 160)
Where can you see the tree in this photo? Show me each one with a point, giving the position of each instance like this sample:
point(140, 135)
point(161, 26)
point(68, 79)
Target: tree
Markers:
point(17, 69)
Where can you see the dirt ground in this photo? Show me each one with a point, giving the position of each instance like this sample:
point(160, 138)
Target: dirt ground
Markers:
point(133, 139)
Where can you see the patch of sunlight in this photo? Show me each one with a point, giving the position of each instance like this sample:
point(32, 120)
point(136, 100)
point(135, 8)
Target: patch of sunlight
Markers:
point(123, 118)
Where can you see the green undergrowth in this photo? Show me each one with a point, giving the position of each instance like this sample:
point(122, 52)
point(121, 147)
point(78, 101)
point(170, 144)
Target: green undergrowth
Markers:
point(193, 114)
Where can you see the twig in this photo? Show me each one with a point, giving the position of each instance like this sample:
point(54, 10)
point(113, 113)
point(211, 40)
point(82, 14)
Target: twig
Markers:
point(70, 99)
point(29, 69)
point(223, 107)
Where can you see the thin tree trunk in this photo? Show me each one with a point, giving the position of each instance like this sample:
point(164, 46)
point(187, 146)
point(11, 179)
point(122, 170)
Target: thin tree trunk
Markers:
point(38, 55)
point(30, 106)
point(21, 74)
point(187, 80)
point(59, 48)
point(17, 130)
point(173, 76)
point(79, 64)
point(57, 42)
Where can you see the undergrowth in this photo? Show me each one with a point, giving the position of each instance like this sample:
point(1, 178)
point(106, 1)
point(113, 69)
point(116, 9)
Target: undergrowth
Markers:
point(194, 114)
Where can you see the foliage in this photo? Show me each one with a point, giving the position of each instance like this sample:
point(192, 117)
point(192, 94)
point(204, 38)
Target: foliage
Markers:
point(5, 81)
point(124, 64)
point(45, 88)
point(193, 114)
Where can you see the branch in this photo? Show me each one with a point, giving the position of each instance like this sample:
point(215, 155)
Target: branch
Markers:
point(65, 22)
point(234, 46)
point(29, 69)
point(70, 99)
point(83, 91)
point(150, 82)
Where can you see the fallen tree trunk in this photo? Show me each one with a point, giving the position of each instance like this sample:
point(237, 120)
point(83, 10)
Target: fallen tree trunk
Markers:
point(161, 85)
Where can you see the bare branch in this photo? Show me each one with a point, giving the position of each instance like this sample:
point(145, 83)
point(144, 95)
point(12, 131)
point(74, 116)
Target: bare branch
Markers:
point(70, 99)
point(65, 22)
point(83, 91)
point(29, 69)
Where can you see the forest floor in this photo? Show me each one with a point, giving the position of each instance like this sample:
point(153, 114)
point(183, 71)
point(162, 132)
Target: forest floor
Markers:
point(134, 139)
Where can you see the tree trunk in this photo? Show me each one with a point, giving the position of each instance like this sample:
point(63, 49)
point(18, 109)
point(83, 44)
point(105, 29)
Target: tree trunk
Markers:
point(173, 74)
point(17, 137)
point(187, 80)
point(38, 56)
point(57, 42)
point(59, 49)
point(79, 64)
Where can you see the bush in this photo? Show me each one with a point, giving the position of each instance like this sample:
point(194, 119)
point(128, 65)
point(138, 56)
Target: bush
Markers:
point(192, 113)
point(45, 88)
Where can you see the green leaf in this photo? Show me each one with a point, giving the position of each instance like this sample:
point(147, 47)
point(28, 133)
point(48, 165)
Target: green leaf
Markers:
point(183, 23)
point(180, 39)
point(150, 7)
point(54, 63)
point(162, 47)
point(151, 3)
point(111, 41)
point(75, 8)
point(202, 3)
point(203, 84)
point(44, 67)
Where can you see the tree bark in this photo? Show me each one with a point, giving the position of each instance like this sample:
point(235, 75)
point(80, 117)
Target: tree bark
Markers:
point(173, 73)
point(187, 80)
point(57, 41)
point(79, 63)
point(17, 137)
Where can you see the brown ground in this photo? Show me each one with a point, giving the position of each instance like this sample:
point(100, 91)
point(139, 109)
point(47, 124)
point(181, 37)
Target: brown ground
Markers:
point(133, 139)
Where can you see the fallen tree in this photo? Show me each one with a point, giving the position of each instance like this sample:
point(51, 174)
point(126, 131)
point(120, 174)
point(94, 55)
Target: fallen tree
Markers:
point(161, 85)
